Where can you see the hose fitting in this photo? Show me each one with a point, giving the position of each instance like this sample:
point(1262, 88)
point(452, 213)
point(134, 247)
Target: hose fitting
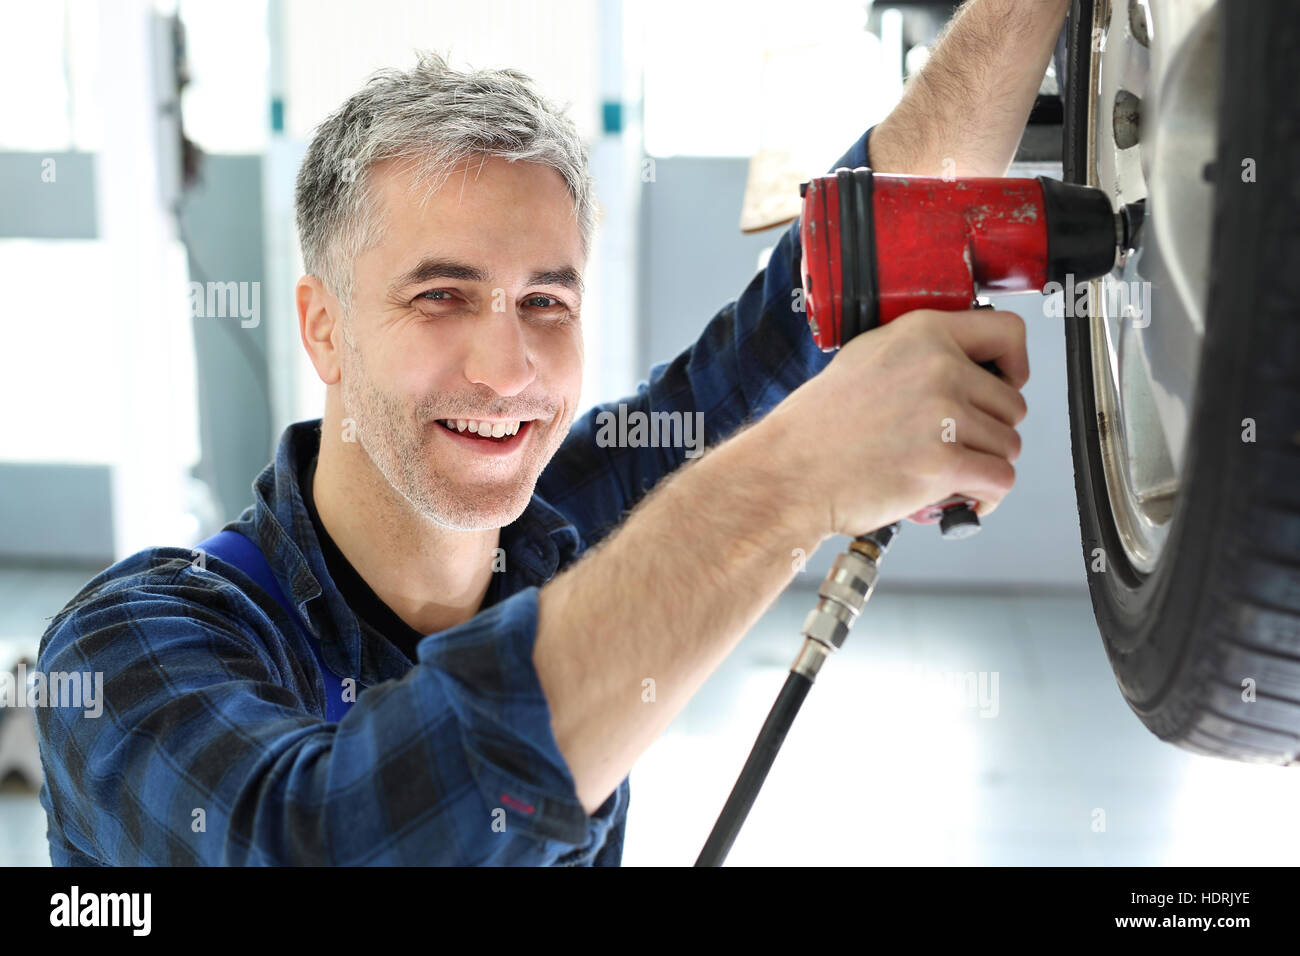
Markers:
point(841, 597)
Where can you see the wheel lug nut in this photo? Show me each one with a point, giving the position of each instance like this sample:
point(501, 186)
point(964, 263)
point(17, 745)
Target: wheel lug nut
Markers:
point(1125, 119)
point(1137, 22)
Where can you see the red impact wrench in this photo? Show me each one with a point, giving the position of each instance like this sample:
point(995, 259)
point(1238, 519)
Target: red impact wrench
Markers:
point(878, 246)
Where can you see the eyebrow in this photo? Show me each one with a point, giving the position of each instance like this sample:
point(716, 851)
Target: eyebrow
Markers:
point(433, 267)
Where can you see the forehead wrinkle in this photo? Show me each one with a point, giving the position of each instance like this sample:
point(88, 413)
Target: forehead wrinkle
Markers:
point(433, 178)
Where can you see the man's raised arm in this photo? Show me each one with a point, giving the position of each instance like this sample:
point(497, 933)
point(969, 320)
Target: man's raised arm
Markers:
point(965, 112)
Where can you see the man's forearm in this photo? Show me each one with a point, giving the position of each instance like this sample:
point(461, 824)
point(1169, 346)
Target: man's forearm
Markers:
point(666, 598)
point(964, 113)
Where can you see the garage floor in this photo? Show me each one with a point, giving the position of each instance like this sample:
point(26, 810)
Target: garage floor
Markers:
point(897, 757)
point(952, 728)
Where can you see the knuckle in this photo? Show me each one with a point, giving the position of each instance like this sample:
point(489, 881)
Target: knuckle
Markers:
point(1022, 408)
point(928, 370)
point(1007, 478)
point(938, 366)
point(928, 323)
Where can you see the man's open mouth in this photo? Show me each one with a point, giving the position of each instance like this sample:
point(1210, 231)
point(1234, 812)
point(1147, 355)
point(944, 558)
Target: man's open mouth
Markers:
point(499, 432)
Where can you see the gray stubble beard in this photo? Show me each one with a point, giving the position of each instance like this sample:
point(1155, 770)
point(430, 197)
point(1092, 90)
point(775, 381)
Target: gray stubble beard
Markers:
point(399, 449)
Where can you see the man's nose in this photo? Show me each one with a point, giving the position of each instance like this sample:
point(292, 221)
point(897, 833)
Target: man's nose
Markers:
point(498, 353)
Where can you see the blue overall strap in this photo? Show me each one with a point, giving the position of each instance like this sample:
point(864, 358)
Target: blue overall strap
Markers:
point(233, 548)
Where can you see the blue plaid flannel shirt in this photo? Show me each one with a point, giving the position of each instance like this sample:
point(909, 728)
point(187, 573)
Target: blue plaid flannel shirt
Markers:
point(212, 747)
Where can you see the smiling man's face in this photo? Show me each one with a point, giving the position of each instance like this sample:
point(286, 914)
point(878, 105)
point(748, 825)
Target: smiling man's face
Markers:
point(468, 309)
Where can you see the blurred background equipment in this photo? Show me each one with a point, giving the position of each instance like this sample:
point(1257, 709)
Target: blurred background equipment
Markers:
point(20, 757)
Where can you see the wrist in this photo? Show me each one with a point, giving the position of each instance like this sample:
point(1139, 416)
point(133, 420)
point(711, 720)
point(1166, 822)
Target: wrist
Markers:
point(774, 462)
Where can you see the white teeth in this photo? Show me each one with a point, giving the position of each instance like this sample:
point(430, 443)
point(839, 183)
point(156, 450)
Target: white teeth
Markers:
point(486, 429)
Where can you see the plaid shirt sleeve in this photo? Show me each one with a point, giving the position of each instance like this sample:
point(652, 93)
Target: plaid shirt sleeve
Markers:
point(206, 751)
point(753, 353)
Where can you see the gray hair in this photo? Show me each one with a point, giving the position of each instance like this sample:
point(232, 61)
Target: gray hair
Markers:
point(434, 117)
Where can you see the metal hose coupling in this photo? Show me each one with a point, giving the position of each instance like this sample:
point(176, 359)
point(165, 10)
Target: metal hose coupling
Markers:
point(841, 598)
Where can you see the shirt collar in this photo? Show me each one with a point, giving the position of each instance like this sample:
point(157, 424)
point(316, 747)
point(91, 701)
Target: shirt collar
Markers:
point(539, 543)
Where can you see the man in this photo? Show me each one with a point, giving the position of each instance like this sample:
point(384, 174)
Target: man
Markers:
point(428, 528)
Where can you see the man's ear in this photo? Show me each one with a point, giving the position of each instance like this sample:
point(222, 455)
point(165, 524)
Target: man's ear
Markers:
point(320, 326)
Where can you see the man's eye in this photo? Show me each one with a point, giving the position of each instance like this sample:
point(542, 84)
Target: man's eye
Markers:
point(539, 301)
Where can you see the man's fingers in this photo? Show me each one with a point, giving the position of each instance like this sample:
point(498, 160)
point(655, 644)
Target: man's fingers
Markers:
point(993, 334)
point(983, 476)
point(993, 395)
point(981, 431)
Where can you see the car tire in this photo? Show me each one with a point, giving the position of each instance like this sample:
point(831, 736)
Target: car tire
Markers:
point(1206, 646)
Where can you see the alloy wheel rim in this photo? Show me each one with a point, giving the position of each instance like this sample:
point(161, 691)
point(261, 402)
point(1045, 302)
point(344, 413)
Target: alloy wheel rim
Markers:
point(1152, 118)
